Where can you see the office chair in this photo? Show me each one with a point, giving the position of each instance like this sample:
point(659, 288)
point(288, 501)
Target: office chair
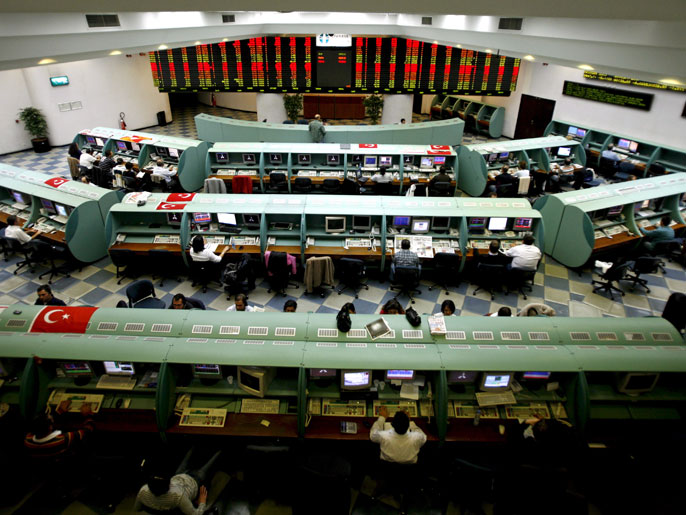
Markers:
point(350, 187)
point(331, 186)
point(34, 253)
point(303, 122)
point(383, 188)
point(406, 281)
point(166, 265)
point(421, 190)
point(130, 183)
point(141, 294)
point(73, 164)
point(127, 260)
point(590, 180)
point(5, 247)
point(203, 273)
point(675, 311)
point(616, 272)
point(642, 265)
point(607, 167)
point(490, 277)
point(625, 170)
point(656, 169)
point(96, 176)
point(352, 272)
point(670, 249)
point(523, 186)
point(441, 189)
point(278, 183)
point(279, 273)
point(53, 253)
point(214, 185)
point(288, 122)
point(521, 280)
point(540, 178)
point(445, 269)
point(302, 185)
point(579, 179)
point(239, 277)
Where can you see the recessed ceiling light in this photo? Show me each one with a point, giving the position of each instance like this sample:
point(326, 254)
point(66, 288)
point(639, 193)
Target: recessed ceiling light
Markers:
point(459, 46)
point(115, 52)
point(197, 43)
point(46, 61)
point(488, 50)
point(225, 39)
point(529, 57)
point(586, 67)
point(435, 42)
point(162, 47)
point(672, 82)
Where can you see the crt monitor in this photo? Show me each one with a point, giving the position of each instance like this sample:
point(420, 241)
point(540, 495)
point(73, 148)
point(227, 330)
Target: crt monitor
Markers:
point(614, 210)
point(370, 161)
point(207, 370)
point(304, 159)
point(633, 146)
point(461, 376)
point(76, 368)
point(497, 223)
point(226, 218)
point(202, 218)
point(333, 159)
point(174, 219)
point(504, 156)
point(581, 133)
point(572, 131)
point(440, 223)
point(623, 143)
point(20, 197)
point(633, 383)
point(334, 224)
point(48, 206)
point(492, 158)
point(362, 223)
point(399, 375)
point(477, 222)
point(401, 221)
point(426, 162)
point(221, 157)
point(564, 151)
point(495, 381)
point(61, 210)
point(249, 159)
point(356, 159)
point(99, 142)
point(522, 224)
point(135, 146)
point(356, 379)
point(385, 161)
point(275, 159)
point(121, 145)
point(536, 375)
point(322, 372)
point(90, 140)
point(439, 160)
point(255, 380)
point(408, 160)
point(251, 220)
point(420, 225)
point(174, 152)
point(119, 368)
point(161, 151)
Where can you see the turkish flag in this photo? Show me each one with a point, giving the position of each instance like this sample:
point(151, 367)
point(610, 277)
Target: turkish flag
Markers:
point(180, 197)
point(440, 147)
point(168, 206)
point(438, 152)
point(62, 319)
point(56, 182)
point(368, 145)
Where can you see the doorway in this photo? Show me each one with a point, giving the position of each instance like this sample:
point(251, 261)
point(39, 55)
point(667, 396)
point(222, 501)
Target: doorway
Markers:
point(535, 113)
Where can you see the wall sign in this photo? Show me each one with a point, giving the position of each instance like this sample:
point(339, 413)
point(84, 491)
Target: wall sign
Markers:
point(618, 97)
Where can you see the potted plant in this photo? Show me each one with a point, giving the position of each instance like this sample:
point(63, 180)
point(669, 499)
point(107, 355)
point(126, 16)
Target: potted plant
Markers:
point(373, 105)
point(37, 126)
point(293, 105)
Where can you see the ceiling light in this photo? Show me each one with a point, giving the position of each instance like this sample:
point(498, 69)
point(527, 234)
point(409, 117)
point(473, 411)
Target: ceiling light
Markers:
point(162, 47)
point(46, 61)
point(672, 82)
point(197, 43)
point(459, 46)
point(225, 39)
point(586, 67)
point(489, 51)
point(115, 52)
point(529, 57)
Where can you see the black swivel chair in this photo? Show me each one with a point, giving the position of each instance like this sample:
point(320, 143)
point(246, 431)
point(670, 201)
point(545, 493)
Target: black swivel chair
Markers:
point(331, 186)
point(302, 185)
point(490, 277)
point(670, 249)
point(420, 190)
point(522, 280)
point(35, 252)
point(625, 170)
point(127, 261)
point(617, 272)
point(54, 253)
point(350, 187)
point(279, 273)
point(130, 183)
point(165, 265)
point(579, 178)
point(642, 265)
point(383, 188)
point(675, 311)
point(352, 273)
point(406, 281)
point(203, 273)
point(141, 294)
point(656, 169)
point(607, 167)
point(5, 248)
point(278, 183)
point(445, 269)
point(441, 189)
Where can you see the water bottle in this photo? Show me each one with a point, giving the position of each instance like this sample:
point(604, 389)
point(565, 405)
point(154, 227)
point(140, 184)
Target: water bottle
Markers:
point(477, 417)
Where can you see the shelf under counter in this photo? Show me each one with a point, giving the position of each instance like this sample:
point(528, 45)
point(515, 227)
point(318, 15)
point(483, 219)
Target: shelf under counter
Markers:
point(246, 424)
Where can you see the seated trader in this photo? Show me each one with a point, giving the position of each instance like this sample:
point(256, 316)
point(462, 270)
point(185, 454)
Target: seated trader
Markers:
point(107, 163)
point(200, 253)
point(525, 256)
point(44, 441)
point(392, 307)
point(405, 257)
point(502, 312)
point(290, 306)
point(45, 297)
point(504, 181)
point(14, 232)
point(522, 171)
point(441, 176)
point(179, 302)
point(448, 308)
point(662, 233)
point(120, 166)
point(494, 256)
point(166, 173)
point(401, 443)
point(86, 160)
point(381, 177)
point(567, 166)
point(242, 304)
point(609, 153)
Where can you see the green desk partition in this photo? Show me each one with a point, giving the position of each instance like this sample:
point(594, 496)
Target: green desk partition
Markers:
point(216, 129)
point(478, 116)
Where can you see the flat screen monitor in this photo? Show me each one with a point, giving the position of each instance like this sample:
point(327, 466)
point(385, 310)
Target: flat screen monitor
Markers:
point(633, 383)
point(573, 131)
point(119, 368)
point(226, 218)
point(439, 160)
point(255, 380)
point(581, 133)
point(161, 151)
point(492, 158)
point(121, 145)
point(522, 224)
point(564, 151)
point(251, 220)
point(440, 223)
point(174, 219)
point(202, 218)
point(304, 159)
point(356, 159)
point(497, 223)
point(426, 162)
point(385, 161)
point(48, 206)
point(173, 152)
point(20, 197)
point(624, 143)
point(504, 156)
point(401, 221)
point(208, 370)
point(536, 375)
point(334, 224)
point(249, 159)
point(362, 223)
point(408, 160)
point(399, 375)
point(477, 222)
point(135, 147)
point(61, 210)
point(221, 157)
point(275, 159)
point(322, 372)
point(76, 368)
point(420, 225)
point(614, 210)
point(90, 140)
point(370, 161)
point(356, 379)
point(633, 146)
point(99, 142)
point(461, 376)
point(494, 381)
point(333, 159)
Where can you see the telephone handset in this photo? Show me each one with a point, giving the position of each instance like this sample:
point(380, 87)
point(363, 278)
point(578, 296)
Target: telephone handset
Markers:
point(314, 406)
point(41, 220)
point(392, 230)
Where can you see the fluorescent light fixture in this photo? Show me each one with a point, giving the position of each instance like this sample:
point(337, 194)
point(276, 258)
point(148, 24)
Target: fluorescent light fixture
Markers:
point(586, 67)
point(529, 57)
point(672, 82)
point(115, 52)
point(162, 47)
point(46, 61)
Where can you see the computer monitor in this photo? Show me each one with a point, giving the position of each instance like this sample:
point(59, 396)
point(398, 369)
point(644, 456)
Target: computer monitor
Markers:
point(439, 160)
point(477, 222)
point(249, 159)
point(492, 158)
point(572, 131)
point(207, 371)
point(503, 156)
point(304, 159)
point(408, 160)
point(356, 379)
point(420, 225)
point(362, 223)
point(275, 159)
point(48, 206)
point(99, 142)
point(135, 147)
point(221, 157)
point(202, 218)
point(462, 376)
point(440, 223)
point(90, 140)
point(174, 219)
point(536, 375)
point(226, 218)
point(370, 161)
point(119, 368)
point(333, 159)
point(334, 224)
point(322, 372)
point(61, 210)
point(633, 146)
point(564, 151)
point(173, 152)
point(633, 383)
point(76, 368)
point(251, 220)
point(255, 380)
point(624, 143)
point(399, 375)
point(614, 210)
point(161, 151)
point(20, 197)
point(497, 223)
point(356, 159)
point(426, 162)
point(385, 161)
point(522, 224)
point(401, 221)
point(581, 133)
point(121, 145)
point(495, 381)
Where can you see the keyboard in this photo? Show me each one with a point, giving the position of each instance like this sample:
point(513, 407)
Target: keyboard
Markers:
point(369, 169)
point(60, 219)
point(495, 398)
point(247, 172)
point(612, 231)
point(266, 406)
point(505, 245)
point(78, 399)
point(468, 410)
point(338, 408)
point(358, 242)
point(525, 411)
point(307, 173)
point(210, 240)
point(395, 406)
point(599, 234)
point(19, 206)
point(226, 172)
point(167, 238)
point(246, 240)
point(480, 244)
point(116, 382)
point(203, 417)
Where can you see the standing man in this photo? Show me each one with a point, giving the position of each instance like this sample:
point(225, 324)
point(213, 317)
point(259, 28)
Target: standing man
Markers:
point(401, 443)
point(525, 256)
point(317, 130)
point(45, 297)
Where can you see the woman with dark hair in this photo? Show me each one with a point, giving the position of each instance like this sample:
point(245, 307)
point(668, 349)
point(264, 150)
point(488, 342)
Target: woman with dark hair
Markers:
point(350, 307)
point(392, 307)
point(201, 253)
point(74, 150)
point(448, 308)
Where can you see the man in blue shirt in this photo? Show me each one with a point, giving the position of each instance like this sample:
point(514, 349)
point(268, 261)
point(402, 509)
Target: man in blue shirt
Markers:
point(662, 233)
point(609, 153)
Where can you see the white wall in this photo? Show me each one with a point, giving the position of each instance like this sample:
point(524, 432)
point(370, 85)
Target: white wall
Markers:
point(270, 107)
point(105, 87)
point(396, 107)
point(240, 101)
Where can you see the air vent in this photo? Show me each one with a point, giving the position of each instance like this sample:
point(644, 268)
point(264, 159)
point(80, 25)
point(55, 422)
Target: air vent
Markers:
point(134, 327)
point(253, 342)
point(662, 337)
point(587, 347)
point(225, 340)
point(616, 347)
point(197, 340)
point(153, 339)
point(489, 347)
point(545, 347)
point(282, 342)
point(99, 337)
point(108, 326)
point(327, 344)
point(644, 347)
point(327, 333)
point(228, 18)
point(15, 323)
point(510, 24)
point(230, 329)
point(201, 329)
point(427, 20)
point(413, 334)
point(577, 337)
point(98, 21)
point(517, 347)
point(357, 333)
point(258, 331)
point(673, 348)
point(455, 335)
point(482, 335)
point(414, 346)
point(386, 346)
point(161, 328)
point(284, 331)
point(460, 347)
point(635, 337)
point(389, 335)
point(71, 336)
point(356, 345)
point(510, 335)
point(606, 337)
point(539, 336)
point(126, 338)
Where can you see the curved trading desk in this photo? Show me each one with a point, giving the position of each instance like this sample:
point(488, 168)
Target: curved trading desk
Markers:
point(479, 117)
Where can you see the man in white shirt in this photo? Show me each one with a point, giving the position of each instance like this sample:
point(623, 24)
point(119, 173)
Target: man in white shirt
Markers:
point(402, 442)
point(241, 304)
point(167, 173)
point(86, 160)
point(522, 171)
point(14, 232)
point(382, 177)
point(525, 256)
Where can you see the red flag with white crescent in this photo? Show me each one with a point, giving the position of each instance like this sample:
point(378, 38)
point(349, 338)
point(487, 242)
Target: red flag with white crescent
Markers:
point(368, 145)
point(180, 197)
point(169, 206)
point(56, 182)
point(62, 319)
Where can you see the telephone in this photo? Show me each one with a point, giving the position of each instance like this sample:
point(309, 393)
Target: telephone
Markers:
point(454, 232)
point(392, 230)
point(120, 237)
point(41, 220)
point(214, 227)
point(183, 401)
point(314, 406)
point(510, 234)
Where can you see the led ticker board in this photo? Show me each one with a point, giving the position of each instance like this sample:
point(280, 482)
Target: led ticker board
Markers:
point(376, 64)
point(615, 96)
point(627, 81)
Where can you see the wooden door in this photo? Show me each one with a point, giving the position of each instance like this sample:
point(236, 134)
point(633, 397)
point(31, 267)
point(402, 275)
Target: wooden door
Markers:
point(535, 113)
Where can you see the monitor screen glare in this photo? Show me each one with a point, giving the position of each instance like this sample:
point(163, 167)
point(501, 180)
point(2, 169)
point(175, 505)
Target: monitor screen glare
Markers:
point(356, 379)
point(99, 142)
point(492, 158)
point(119, 368)
point(226, 218)
point(18, 197)
point(121, 145)
point(522, 224)
point(385, 161)
point(426, 162)
point(624, 143)
point(401, 221)
point(572, 131)
point(633, 146)
point(504, 155)
point(61, 210)
point(420, 226)
point(202, 218)
point(564, 151)
point(135, 147)
point(581, 133)
point(48, 205)
point(400, 375)
point(497, 224)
